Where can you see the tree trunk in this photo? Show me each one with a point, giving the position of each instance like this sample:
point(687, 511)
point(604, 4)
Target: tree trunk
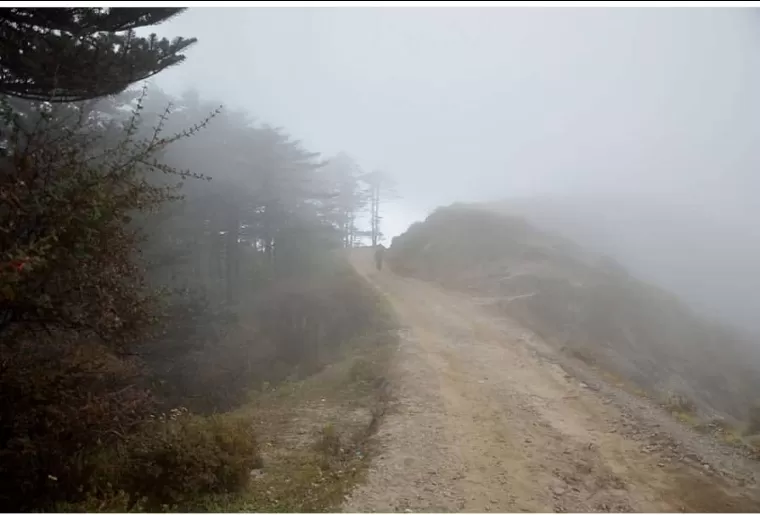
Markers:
point(232, 255)
point(375, 214)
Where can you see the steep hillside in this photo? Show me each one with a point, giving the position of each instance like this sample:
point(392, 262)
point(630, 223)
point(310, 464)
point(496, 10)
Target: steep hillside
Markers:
point(708, 260)
point(587, 305)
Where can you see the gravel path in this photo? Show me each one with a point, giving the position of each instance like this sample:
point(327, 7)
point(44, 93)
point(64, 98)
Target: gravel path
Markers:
point(488, 417)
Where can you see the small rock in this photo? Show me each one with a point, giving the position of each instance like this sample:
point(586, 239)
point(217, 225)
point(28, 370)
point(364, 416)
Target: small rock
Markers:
point(583, 385)
point(494, 501)
point(481, 382)
point(558, 490)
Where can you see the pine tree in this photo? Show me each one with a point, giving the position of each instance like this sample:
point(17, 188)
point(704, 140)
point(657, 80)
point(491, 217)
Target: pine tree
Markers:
point(342, 173)
point(74, 54)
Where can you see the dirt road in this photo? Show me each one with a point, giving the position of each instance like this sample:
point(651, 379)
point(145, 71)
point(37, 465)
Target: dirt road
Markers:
point(488, 417)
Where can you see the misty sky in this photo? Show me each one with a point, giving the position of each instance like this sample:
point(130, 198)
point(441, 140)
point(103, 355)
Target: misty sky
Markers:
point(481, 103)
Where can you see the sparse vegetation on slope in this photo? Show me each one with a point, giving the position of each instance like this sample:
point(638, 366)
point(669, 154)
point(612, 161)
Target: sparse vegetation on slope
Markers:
point(314, 432)
point(139, 307)
point(589, 306)
point(298, 441)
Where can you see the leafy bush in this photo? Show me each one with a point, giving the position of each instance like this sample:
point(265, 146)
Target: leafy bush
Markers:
point(74, 431)
point(70, 190)
point(171, 460)
point(169, 464)
point(58, 403)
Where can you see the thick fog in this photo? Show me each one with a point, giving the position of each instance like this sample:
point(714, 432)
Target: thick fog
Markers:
point(646, 120)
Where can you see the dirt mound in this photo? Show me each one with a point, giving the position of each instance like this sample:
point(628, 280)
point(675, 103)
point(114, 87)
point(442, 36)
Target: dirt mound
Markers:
point(585, 304)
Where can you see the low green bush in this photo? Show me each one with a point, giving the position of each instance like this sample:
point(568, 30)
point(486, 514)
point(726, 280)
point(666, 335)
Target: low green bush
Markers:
point(168, 463)
point(184, 455)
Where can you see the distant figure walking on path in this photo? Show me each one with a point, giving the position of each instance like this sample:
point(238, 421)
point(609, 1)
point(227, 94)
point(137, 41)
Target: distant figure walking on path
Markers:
point(379, 251)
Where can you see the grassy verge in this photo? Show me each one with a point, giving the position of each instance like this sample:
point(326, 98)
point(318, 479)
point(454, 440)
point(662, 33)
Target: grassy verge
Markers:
point(315, 434)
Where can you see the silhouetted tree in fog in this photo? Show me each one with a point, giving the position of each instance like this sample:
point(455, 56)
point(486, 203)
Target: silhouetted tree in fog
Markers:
point(343, 174)
point(73, 54)
point(380, 188)
point(266, 208)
